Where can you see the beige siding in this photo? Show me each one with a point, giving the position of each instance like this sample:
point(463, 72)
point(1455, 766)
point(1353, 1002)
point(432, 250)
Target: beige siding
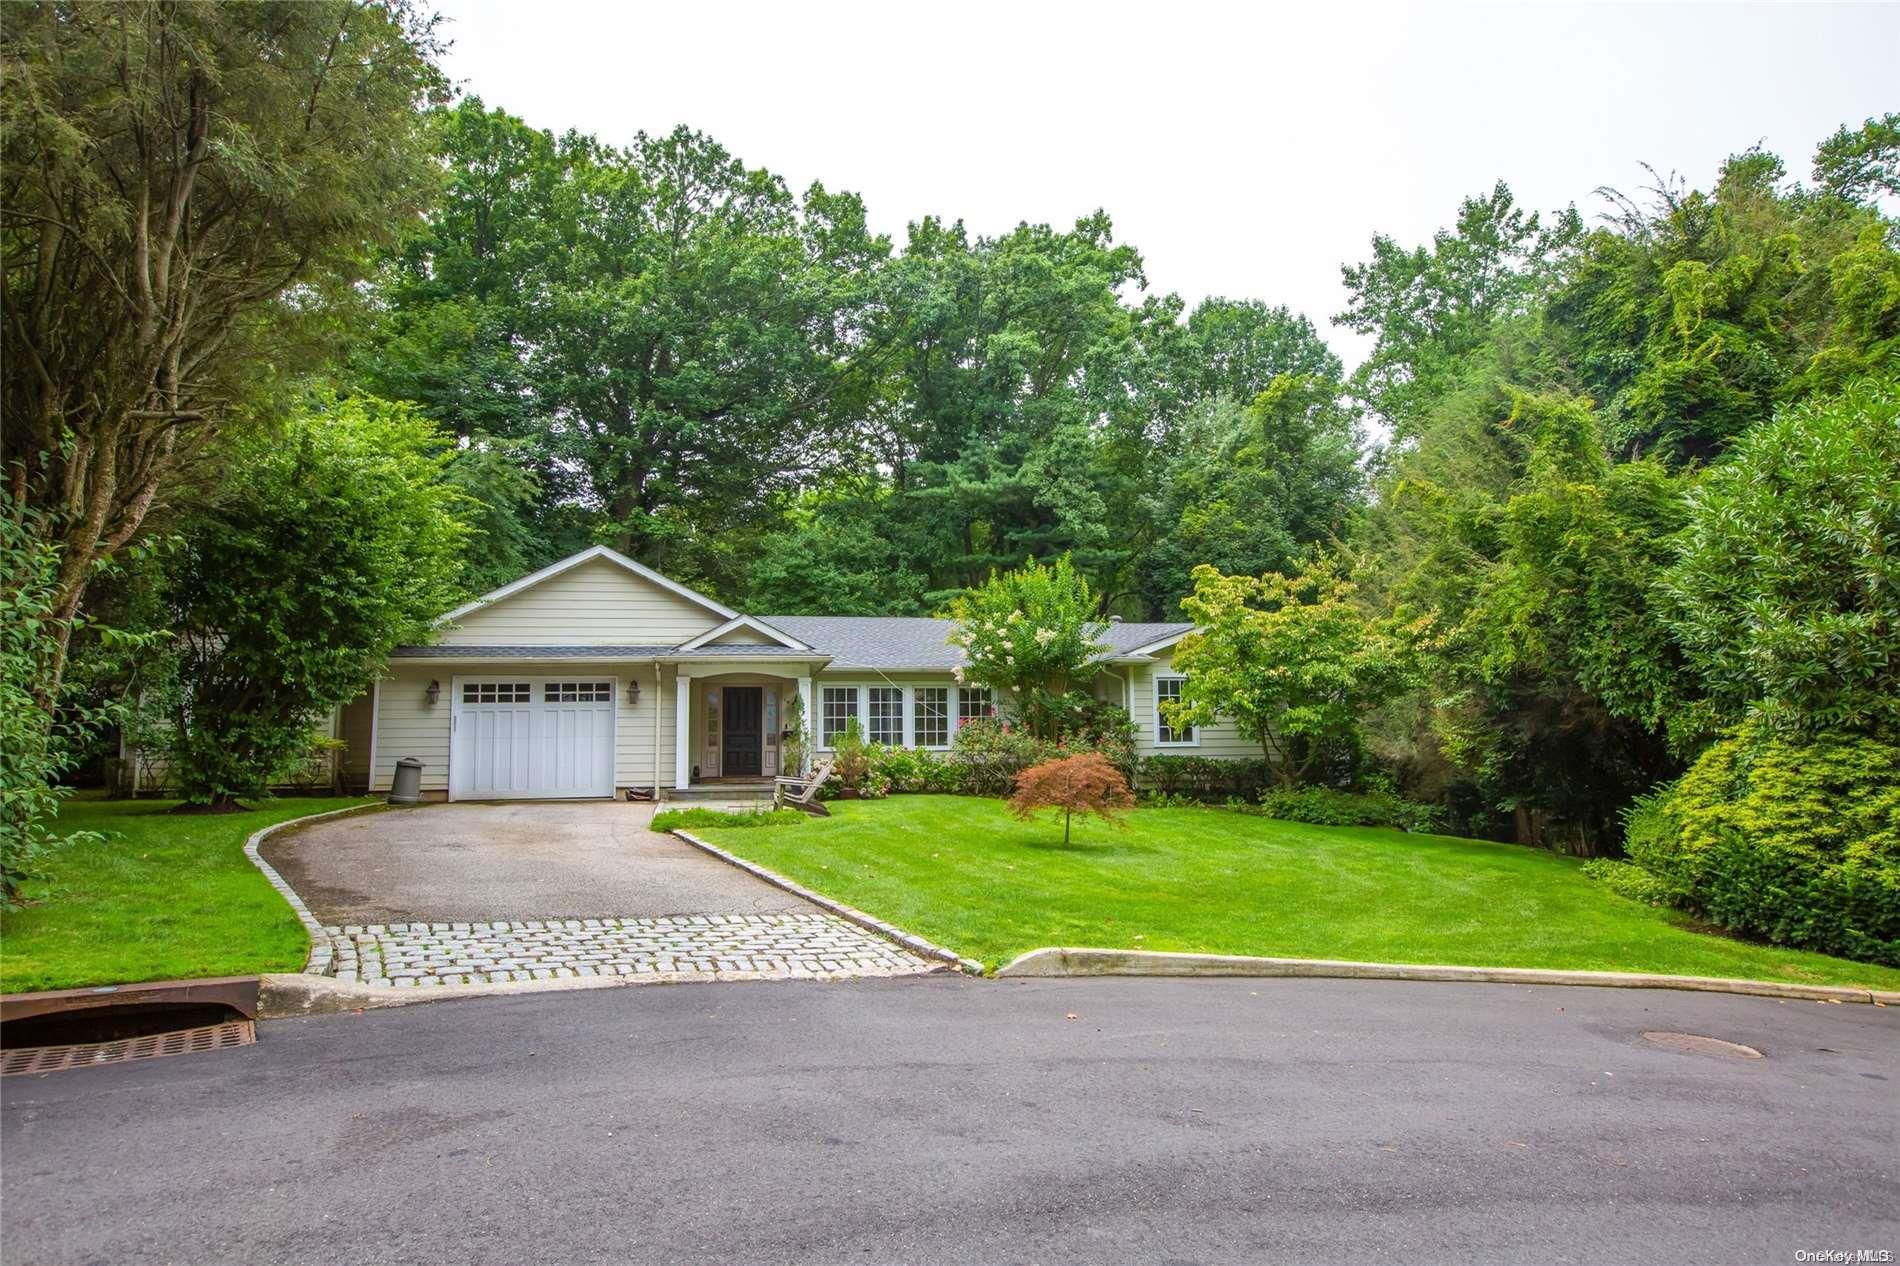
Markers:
point(353, 728)
point(598, 602)
point(408, 725)
point(744, 636)
point(1219, 739)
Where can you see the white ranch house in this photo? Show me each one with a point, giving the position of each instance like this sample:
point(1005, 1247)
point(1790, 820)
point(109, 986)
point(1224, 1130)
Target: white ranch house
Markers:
point(596, 674)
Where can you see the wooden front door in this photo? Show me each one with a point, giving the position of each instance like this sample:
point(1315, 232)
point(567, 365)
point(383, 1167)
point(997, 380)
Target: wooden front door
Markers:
point(744, 743)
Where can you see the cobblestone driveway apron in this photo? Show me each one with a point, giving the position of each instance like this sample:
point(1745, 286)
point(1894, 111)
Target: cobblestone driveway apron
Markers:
point(732, 946)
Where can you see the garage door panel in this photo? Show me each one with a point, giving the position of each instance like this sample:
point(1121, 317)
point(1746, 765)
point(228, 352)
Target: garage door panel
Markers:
point(533, 738)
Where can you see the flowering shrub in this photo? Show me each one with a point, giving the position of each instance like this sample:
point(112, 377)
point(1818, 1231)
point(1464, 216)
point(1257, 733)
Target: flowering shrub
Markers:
point(1030, 635)
point(989, 754)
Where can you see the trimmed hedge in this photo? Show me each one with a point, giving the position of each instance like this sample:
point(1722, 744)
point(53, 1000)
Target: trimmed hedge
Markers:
point(1323, 806)
point(1795, 840)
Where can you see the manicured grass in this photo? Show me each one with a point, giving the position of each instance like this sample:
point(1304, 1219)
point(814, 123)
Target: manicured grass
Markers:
point(963, 873)
point(164, 895)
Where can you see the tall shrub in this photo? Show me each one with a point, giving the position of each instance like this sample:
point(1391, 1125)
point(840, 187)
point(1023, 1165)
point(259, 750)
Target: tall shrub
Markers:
point(329, 545)
point(1791, 838)
point(1786, 594)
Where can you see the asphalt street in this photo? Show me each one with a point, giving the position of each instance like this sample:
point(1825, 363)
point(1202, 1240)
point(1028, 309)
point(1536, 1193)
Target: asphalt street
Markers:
point(949, 1120)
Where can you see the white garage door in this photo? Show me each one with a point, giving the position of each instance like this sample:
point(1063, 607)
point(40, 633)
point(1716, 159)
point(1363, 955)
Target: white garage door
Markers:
point(532, 738)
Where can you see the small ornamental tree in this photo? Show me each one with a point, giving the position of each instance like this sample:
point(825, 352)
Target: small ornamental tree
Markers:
point(1030, 635)
point(1086, 784)
point(1289, 659)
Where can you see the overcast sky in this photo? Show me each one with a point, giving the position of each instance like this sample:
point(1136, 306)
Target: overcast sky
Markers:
point(1245, 150)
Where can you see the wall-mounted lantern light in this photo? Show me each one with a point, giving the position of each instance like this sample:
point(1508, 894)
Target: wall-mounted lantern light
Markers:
point(633, 693)
point(433, 693)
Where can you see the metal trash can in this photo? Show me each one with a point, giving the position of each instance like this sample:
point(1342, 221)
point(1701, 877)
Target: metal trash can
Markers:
point(406, 786)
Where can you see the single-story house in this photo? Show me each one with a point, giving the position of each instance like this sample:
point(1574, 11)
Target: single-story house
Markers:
point(597, 674)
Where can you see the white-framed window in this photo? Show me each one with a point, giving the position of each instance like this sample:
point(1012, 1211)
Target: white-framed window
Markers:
point(577, 692)
point(838, 708)
point(884, 710)
point(495, 692)
point(974, 702)
point(930, 707)
point(1168, 690)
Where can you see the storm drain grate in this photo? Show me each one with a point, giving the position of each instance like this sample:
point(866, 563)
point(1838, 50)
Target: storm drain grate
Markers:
point(47, 1059)
point(1696, 1044)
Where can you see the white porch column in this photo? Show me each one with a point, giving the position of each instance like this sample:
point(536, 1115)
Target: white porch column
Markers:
point(682, 731)
point(811, 720)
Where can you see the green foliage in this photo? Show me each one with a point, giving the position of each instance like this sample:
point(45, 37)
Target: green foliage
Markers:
point(328, 545)
point(1626, 879)
point(1787, 592)
point(988, 754)
point(851, 756)
point(34, 755)
point(701, 818)
point(1326, 806)
point(1431, 307)
point(1861, 165)
point(1290, 660)
point(1172, 774)
point(1247, 489)
point(1791, 838)
point(1030, 635)
point(913, 770)
point(1696, 312)
point(189, 190)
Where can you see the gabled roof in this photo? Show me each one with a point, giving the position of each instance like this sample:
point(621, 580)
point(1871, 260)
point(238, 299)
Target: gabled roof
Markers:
point(572, 561)
point(744, 622)
point(890, 643)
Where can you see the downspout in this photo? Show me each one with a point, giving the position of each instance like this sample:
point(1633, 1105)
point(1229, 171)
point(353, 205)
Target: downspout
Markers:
point(659, 710)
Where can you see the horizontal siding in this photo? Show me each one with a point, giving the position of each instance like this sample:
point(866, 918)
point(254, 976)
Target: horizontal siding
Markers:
point(1220, 740)
point(744, 635)
point(597, 602)
point(353, 728)
point(408, 725)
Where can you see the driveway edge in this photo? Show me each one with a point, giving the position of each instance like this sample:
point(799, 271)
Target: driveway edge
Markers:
point(317, 960)
point(1065, 961)
point(890, 932)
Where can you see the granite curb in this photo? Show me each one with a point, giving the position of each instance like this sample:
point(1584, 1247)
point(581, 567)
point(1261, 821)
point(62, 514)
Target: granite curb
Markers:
point(1068, 961)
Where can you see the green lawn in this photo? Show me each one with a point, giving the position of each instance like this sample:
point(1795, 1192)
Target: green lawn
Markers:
point(966, 875)
point(165, 895)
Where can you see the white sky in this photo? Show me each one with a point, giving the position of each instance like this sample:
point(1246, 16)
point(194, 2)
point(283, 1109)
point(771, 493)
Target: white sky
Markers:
point(1245, 150)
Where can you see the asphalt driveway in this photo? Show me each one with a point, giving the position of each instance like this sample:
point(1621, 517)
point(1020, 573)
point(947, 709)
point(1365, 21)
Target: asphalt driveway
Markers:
point(522, 860)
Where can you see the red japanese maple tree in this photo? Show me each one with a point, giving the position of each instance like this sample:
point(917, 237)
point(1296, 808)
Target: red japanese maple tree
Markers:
point(1086, 784)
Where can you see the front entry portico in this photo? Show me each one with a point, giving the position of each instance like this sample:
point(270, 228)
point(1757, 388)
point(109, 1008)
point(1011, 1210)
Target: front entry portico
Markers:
point(731, 718)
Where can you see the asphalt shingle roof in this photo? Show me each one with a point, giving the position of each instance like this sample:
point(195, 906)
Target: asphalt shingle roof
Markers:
point(873, 641)
point(457, 651)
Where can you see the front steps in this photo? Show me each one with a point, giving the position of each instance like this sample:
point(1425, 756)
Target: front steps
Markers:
point(748, 791)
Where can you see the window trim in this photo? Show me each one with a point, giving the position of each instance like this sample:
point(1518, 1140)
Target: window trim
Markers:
point(949, 718)
point(903, 715)
point(1155, 694)
point(857, 709)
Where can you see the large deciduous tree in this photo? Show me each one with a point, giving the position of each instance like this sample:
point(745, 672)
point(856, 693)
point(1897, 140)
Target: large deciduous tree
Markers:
point(177, 180)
